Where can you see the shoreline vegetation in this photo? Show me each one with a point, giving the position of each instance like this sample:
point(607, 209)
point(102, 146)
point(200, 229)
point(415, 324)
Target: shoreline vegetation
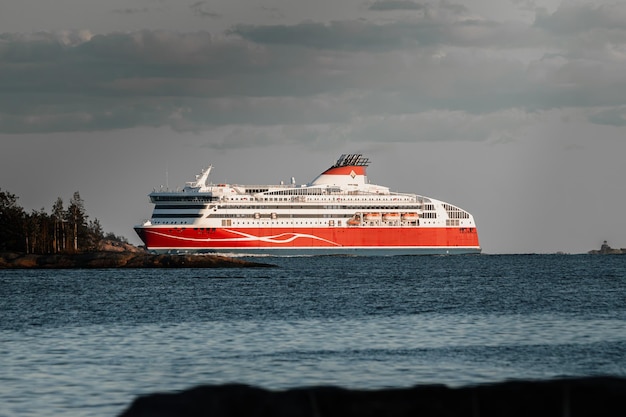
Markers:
point(66, 238)
point(62, 231)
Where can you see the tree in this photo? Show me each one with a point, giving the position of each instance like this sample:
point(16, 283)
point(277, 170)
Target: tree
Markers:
point(94, 234)
point(39, 232)
point(77, 219)
point(59, 232)
point(112, 236)
point(12, 223)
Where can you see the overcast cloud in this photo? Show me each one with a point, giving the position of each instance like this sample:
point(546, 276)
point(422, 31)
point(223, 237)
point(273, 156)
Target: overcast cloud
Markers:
point(514, 111)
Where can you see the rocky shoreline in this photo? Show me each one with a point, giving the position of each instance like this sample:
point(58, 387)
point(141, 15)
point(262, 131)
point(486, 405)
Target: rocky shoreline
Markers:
point(124, 259)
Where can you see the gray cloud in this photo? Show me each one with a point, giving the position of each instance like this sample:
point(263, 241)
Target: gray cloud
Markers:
point(390, 5)
point(273, 12)
point(384, 5)
point(130, 10)
point(615, 116)
point(201, 9)
point(574, 19)
point(347, 73)
point(423, 31)
point(347, 35)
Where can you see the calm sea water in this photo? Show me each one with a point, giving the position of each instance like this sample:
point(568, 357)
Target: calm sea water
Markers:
point(87, 342)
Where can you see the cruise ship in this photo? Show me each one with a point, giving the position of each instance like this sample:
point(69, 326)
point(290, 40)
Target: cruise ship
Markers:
point(339, 212)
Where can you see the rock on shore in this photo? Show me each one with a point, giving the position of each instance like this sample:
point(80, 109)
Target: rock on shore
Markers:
point(583, 397)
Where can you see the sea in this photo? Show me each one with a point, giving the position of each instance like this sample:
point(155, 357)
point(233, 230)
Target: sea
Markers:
point(82, 342)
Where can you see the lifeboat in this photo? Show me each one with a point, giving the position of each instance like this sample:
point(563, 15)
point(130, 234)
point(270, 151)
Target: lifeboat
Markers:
point(410, 217)
point(355, 220)
point(391, 216)
point(371, 217)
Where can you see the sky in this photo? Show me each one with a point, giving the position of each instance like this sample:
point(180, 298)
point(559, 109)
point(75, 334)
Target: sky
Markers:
point(514, 110)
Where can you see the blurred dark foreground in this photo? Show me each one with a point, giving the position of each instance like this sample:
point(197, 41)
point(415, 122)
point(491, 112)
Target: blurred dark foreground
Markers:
point(567, 397)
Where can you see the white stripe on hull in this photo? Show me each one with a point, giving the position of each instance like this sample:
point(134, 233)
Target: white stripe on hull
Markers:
point(316, 251)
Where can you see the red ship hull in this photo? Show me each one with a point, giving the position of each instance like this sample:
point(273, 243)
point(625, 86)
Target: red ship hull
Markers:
point(286, 240)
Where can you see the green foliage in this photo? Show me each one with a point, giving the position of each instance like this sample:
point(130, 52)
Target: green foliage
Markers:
point(115, 238)
point(12, 223)
point(63, 230)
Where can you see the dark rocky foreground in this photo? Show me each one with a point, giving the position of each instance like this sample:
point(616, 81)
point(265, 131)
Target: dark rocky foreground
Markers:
point(108, 259)
point(586, 397)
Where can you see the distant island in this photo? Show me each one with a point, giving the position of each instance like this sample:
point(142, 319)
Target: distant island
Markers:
point(605, 249)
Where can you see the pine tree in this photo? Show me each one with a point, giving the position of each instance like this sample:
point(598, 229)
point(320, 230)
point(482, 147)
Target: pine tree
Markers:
point(64, 230)
point(94, 234)
point(77, 220)
point(12, 223)
point(58, 244)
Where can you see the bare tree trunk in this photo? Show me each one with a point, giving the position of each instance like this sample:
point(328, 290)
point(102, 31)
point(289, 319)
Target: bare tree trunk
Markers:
point(54, 237)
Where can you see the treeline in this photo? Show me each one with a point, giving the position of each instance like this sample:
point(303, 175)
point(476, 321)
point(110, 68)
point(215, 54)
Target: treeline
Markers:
point(63, 230)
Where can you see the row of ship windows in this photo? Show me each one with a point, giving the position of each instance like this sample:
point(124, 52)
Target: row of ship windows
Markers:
point(209, 199)
point(304, 191)
point(229, 222)
point(458, 215)
point(170, 215)
point(333, 198)
point(290, 207)
point(194, 199)
point(181, 207)
point(302, 197)
point(259, 215)
point(455, 212)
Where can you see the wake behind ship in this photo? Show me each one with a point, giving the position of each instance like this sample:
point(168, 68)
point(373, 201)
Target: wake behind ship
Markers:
point(339, 212)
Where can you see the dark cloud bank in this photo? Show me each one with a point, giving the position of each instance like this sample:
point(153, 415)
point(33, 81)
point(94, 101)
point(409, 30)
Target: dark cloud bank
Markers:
point(440, 57)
